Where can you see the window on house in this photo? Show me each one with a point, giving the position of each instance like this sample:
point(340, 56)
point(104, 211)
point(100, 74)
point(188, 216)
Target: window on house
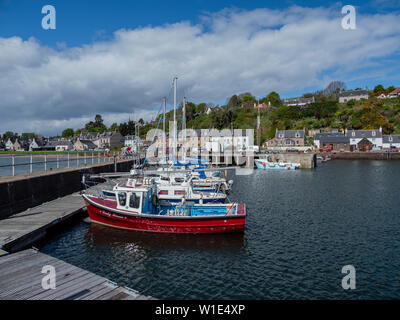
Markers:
point(390, 139)
point(373, 133)
point(353, 134)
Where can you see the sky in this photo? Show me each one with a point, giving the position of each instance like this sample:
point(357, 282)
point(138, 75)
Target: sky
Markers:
point(118, 58)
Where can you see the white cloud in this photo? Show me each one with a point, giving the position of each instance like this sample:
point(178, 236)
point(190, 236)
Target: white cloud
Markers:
point(231, 51)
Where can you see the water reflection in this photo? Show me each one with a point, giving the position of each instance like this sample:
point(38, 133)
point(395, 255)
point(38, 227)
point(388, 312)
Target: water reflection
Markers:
point(99, 235)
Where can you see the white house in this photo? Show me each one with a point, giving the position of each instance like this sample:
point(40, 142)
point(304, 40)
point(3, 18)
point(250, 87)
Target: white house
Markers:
point(299, 101)
point(395, 93)
point(346, 96)
point(383, 96)
point(9, 145)
point(374, 136)
point(224, 141)
point(34, 145)
point(391, 141)
point(64, 145)
point(132, 140)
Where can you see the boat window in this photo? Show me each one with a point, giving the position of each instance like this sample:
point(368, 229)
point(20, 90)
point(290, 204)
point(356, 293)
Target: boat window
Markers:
point(122, 198)
point(134, 200)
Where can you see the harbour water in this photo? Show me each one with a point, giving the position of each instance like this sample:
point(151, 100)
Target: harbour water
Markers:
point(302, 227)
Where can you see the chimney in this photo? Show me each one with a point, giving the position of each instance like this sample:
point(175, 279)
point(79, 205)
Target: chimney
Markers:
point(380, 129)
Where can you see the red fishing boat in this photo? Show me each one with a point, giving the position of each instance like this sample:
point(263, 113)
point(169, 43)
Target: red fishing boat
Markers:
point(135, 207)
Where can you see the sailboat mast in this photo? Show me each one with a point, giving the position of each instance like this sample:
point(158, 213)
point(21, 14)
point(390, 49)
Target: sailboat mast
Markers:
point(165, 138)
point(184, 128)
point(175, 128)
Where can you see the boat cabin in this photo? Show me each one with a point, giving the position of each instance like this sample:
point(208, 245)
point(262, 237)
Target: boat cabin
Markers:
point(137, 199)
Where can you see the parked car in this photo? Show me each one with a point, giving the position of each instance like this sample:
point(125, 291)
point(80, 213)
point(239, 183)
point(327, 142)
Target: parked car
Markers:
point(291, 150)
point(325, 149)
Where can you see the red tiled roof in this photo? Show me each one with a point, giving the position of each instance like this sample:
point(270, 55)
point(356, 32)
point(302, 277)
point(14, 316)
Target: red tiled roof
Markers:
point(396, 91)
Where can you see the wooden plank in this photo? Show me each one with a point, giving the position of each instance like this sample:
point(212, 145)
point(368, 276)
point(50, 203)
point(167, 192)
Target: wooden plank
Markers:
point(22, 229)
point(29, 274)
point(29, 281)
point(65, 277)
point(16, 269)
point(16, 256)
point(109, 295)
point(21, 279)
point(69, 289)
point(98, 290)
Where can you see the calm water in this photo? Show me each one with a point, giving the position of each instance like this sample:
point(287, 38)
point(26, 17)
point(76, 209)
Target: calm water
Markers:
point(302, 228)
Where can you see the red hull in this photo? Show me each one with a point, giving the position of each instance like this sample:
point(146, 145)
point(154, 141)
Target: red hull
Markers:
point(161, 224)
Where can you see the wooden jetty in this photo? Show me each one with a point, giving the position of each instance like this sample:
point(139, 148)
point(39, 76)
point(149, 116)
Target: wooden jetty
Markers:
point(21, 279)
point(21, 230)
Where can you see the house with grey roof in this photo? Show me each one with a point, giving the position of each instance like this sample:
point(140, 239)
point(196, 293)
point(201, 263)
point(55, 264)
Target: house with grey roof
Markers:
point(346, 96)
point(374, 136)
point(85, 135)
point(21, 145)
point(130, 141)
point(301, 102)
point(391, 141)
point(84, 145)
point(64, 145)
point(288, 138)
point(36, 144)
point(108, 140)
point(327, 137)
point(334, 141)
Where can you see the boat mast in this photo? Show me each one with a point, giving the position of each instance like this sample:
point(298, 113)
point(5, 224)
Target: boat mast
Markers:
point(165, 138)
point(184, 128)
point(175, 128)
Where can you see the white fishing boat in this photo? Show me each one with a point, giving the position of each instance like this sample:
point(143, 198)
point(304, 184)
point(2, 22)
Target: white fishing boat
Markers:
point(264, 164)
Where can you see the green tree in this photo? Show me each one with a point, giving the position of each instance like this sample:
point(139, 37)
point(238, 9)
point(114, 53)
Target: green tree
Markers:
point(97, 125)
point(390, 89)
point(68, 133)
point(234, 101)
point(28, 136)
point(10, 135)
point(113, 127)
point(274, 98)
point(379, 89)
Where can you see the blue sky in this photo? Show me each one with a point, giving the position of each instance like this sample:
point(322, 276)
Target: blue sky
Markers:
point(84, 21)
point(118, 57)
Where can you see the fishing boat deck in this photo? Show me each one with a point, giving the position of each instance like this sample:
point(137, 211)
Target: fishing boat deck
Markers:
point(21, 279)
